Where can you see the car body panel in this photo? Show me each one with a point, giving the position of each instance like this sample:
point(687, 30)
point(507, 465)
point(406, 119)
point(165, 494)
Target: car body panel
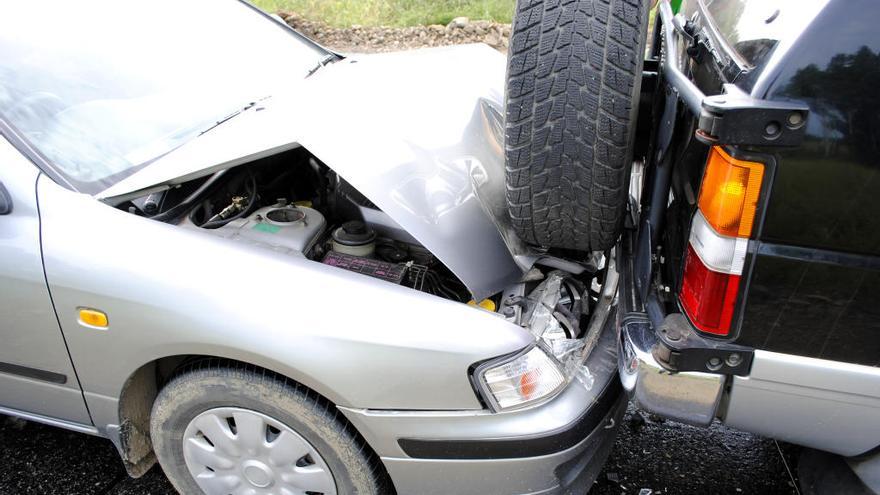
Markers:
point(171, 291)
point(570, 471)
point(36, 374)
point(486, 434)
point(817, 403)
point(418, 133)
point(557, 447)
point(815, 288)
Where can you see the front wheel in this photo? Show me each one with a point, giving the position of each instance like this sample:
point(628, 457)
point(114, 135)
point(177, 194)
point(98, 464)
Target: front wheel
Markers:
point(229, 430)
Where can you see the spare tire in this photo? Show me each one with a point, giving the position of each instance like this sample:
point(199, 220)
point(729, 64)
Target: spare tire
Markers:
point(573, 82)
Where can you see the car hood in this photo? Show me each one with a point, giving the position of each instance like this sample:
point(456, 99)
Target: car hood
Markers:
point(419, 133)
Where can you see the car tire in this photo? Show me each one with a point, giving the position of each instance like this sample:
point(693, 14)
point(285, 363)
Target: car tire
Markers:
point(573, 83)
point(192, 406)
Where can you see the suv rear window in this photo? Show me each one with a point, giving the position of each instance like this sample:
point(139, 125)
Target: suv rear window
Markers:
point(753, 28)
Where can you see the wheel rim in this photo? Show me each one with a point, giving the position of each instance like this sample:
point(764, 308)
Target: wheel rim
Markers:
point(229, 450)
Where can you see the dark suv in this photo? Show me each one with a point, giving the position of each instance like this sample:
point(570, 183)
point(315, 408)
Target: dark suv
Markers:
point(738, 163)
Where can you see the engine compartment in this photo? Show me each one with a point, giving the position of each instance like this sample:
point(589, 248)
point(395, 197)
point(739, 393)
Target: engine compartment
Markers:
point(294, 204)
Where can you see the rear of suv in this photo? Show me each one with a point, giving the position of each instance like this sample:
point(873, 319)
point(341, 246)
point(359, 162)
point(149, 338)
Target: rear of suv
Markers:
point(750, 274)
point(748, 261)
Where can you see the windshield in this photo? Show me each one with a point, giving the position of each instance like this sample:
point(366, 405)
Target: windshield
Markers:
point(103, 87)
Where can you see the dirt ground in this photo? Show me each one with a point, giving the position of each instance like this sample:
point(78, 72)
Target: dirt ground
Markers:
point(361, 39)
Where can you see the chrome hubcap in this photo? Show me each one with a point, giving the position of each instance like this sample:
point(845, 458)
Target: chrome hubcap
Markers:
point(229, 450)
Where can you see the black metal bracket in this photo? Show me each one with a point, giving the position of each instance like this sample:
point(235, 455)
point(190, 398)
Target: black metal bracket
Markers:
point(681, 348)
point(733, 117)
point(738, 119)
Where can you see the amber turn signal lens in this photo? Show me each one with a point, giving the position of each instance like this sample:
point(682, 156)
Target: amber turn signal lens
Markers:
point(729, 193)
point(93, 318)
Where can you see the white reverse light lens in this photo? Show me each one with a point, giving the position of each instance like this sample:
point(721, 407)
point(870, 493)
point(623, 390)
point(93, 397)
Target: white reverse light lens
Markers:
point(524, 380)
point(719, 253)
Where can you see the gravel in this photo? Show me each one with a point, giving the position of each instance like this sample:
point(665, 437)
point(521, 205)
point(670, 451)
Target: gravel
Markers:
point(361, 39)
point(651, 457)
point(656, 456)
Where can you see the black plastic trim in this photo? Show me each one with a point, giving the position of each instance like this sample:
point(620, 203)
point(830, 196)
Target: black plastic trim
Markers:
point(683, 348)
point(36, 374)
point(520, 447)
point(5, 201)
point(815, 255)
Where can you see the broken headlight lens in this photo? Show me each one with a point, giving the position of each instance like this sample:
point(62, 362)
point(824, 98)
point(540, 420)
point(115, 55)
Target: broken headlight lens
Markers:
point(522, 380)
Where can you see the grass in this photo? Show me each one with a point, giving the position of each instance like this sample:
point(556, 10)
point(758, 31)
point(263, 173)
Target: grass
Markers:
point(344, 13)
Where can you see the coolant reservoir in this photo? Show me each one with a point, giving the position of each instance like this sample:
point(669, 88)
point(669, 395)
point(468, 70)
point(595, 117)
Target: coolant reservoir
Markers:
point(355, 238)
point(282, 228)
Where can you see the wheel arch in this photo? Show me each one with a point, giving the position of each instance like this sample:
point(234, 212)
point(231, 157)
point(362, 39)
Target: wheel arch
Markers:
point(139, 392)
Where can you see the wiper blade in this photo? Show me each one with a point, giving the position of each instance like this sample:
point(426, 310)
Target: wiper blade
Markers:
point(330, 57)
point(233, 114)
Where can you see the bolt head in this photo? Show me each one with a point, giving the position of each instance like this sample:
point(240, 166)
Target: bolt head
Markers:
point(734, 360)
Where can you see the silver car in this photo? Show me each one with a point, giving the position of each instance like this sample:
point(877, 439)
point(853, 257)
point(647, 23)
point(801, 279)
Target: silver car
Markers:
point(275, 269)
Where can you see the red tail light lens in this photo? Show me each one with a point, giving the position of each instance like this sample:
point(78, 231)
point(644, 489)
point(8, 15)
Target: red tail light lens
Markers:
point(719, 239)
point(708, 297)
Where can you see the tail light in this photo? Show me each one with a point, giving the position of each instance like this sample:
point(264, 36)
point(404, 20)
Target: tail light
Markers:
point(729, 193)
point(719, 237)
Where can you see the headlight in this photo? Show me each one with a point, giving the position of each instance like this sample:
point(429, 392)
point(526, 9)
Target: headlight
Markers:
point(521, 380)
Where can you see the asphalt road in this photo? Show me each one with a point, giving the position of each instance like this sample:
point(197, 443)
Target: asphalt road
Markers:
point(650, 454)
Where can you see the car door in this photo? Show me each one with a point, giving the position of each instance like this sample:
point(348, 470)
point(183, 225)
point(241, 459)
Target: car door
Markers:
point(36, 374)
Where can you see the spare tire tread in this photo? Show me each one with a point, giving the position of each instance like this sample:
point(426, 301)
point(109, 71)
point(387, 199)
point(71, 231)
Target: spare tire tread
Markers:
point(573, 75)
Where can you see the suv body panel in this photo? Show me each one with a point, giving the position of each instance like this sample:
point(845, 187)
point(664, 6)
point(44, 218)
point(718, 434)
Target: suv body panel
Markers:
point(811, 281)
point(815, 288)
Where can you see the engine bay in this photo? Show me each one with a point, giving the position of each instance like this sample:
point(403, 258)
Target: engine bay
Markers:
point(294, 204)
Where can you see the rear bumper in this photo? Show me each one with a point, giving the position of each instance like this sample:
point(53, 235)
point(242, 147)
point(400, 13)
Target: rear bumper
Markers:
point(689, 397)
point(555, 447)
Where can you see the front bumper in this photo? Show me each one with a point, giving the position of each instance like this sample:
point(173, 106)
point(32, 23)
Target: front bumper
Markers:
point(555, 447)
point(689, 397)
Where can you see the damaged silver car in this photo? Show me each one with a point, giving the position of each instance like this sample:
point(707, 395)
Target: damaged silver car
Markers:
point(275, 269)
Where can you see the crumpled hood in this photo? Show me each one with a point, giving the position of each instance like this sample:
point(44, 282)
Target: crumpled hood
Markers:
point(419, 133)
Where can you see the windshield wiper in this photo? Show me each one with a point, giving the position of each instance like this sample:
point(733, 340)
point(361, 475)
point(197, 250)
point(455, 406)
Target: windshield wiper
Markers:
point(233, 114)
point(330, 57)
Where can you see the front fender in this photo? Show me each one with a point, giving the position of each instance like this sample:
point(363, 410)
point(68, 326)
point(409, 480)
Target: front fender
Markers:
point(359, 341)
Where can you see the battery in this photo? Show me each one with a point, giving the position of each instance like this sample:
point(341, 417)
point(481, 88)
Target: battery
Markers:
point(390, 272)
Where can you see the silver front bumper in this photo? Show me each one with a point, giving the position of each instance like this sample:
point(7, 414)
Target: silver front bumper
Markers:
point(689, 397)
point(556, 447)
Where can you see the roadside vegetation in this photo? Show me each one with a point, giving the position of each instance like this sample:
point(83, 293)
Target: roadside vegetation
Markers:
point(398, 13)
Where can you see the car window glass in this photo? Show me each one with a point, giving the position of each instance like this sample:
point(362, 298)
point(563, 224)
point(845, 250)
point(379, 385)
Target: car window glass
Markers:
point(753, 28)
point(101, 87)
